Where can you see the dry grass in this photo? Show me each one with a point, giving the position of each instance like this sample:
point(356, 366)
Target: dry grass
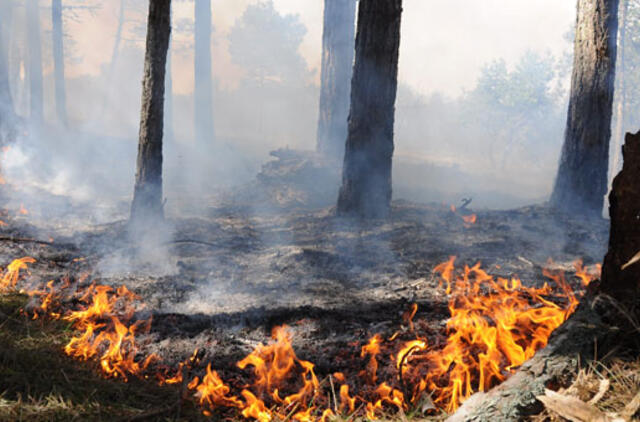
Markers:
point(608, 387)
point(39, 383)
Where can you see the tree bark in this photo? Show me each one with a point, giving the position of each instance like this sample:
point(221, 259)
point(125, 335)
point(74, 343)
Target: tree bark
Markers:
point(58, 61)
point(620, 94)
point(337, 65)
point(203, 90)
point(35, 61)
point(581, 182)
point(147, 206)
point(624, 236)
point(366, 173)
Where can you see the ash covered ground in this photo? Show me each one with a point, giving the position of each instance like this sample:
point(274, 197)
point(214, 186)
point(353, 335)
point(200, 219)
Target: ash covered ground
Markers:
point(220, 282)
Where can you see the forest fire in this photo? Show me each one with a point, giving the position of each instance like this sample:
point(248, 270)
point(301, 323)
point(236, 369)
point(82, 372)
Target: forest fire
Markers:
point(495, 325)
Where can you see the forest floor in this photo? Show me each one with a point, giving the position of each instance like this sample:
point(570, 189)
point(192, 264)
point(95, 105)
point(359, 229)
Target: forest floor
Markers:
point(220, 282)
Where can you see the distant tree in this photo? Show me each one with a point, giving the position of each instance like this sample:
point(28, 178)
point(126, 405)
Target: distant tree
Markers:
point(337, 64)
point(366, 175)
point(517, 110)
point(266, 43)
point(58, 61)
point(115, 52)
point(147, 206)
point(7, 110)
point(35, 60)
point(581, 182)
point(203, 90)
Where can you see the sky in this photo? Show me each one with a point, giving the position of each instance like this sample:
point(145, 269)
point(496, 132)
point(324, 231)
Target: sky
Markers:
point(444, 43)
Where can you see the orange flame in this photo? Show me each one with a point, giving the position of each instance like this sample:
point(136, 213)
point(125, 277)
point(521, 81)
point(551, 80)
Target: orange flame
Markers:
point(11, 276)
point(496, 324)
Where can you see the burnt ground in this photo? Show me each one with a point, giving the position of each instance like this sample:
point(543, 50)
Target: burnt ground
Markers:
point(220, 282)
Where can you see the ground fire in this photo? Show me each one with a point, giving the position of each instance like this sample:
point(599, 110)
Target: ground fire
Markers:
point(319, 211)
point(495, 325)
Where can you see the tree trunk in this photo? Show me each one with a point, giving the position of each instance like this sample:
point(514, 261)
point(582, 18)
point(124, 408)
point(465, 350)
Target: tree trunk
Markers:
point(203, 90)
point(620, 94)
point(147, 206)
point(337, 66)
point(624, 236)
point(58, 61)
point(366, 174)
point(35, 60)
point(7, 110)
point(581, 182)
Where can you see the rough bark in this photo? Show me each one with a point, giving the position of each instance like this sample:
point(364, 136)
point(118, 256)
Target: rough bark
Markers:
point(337, 65)
point(581, 182)
point(147, 206)
point(35, 61)
point(203, 90)
point(366, 174)
point(624, 236)
point(58, 61)
point(620, 93)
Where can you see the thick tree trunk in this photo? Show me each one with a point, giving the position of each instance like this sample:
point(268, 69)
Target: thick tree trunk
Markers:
point(58, 61)
point(147, 206)
point(203, 91)
point(620, 94)
point(619, 280)
point(35, 60)
point(337, 66)
point(581, 182)
point(366, 174)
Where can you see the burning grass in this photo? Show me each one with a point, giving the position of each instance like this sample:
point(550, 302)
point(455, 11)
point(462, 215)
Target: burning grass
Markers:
point(495, 325)
point(40, 383)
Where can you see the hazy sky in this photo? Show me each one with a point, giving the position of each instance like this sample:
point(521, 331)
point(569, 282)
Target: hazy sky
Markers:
point(444, 42)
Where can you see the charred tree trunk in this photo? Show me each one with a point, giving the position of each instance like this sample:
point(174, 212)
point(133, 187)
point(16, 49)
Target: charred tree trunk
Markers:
point(581, 182)
point(337, 66)
point(366, 174)
point(58, 61)
point(35, 60)
point(620, 272)
point(147, 206)
point(203, 90)
point(620, 94)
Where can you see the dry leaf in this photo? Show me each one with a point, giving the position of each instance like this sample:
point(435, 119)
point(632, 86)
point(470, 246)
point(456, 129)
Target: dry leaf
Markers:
point(572, 408)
